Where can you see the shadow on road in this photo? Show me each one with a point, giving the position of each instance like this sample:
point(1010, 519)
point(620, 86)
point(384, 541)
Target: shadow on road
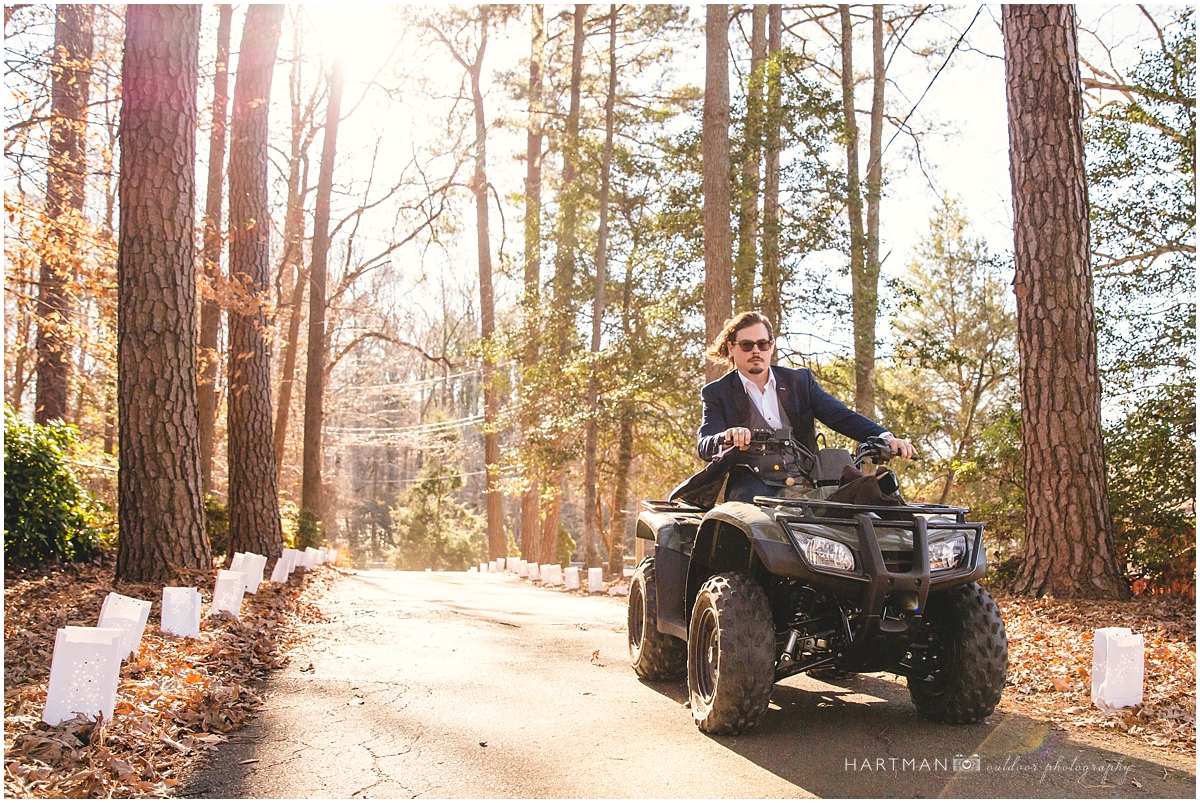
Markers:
point(860, 736)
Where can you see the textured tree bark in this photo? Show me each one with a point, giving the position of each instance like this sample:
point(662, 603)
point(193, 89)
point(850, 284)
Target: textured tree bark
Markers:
point(746, 264)
point(1068, 542)
point(161, 504)
point(530, 516)
point(66, 173)
point(253, 497)
point(772, 288)
point(864, 340)
point(591, 516)
point(714, 146)
point(210, 310)
point(311, 511)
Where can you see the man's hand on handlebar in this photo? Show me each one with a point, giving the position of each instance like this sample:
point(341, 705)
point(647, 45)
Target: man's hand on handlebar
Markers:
point(736, 436)
point(901, 448)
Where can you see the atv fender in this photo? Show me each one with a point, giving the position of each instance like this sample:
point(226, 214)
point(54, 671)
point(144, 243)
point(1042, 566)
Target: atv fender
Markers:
point(737, 536)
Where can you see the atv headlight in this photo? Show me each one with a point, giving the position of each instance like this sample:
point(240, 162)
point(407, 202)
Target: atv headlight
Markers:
point(825, 553)
point(946, 554)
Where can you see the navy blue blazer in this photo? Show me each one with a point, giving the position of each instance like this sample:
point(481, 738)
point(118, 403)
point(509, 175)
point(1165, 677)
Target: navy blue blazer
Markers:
point(800, 397)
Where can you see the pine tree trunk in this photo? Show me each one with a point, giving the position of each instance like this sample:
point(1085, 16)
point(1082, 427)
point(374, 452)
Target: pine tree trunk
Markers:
point(210, 310)
point(1068, 543)
point(619, 521)
point(864, 338)
point(497, 544)
point(311, 510)
point(866, 294)
point(161, 504)
point(745, 267)
point(772, 292)
point(66, 174)
point(714, 145)
point(530, 516)
point(591, 516)
point(253, 497)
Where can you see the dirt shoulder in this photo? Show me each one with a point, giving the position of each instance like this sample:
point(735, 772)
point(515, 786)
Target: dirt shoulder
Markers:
point(1050, 664)
point(177, 698)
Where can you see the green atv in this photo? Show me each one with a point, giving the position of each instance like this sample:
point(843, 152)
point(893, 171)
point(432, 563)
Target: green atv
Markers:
point(739, 596)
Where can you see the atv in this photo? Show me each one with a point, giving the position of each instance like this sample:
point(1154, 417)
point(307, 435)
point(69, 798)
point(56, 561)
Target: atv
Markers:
point(836, 573)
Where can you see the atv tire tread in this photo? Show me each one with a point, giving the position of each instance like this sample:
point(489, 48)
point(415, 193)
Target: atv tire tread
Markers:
point(662, 656)
point(746, 665)
point(977, 679)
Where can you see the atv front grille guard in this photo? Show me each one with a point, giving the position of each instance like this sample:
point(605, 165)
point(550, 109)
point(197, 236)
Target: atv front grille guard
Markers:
point(886, 596)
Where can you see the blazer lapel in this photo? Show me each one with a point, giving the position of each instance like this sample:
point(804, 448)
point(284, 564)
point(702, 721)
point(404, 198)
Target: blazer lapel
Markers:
point(783, 390)
point(741, 402)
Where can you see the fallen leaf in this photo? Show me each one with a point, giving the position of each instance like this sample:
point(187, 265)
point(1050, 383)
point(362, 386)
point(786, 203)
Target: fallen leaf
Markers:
point(1061, 684)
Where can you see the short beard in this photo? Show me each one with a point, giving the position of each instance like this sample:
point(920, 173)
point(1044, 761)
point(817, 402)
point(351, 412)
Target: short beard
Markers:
point(755, 368)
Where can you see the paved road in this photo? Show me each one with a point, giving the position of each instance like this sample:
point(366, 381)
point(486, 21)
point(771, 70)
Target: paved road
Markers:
point(482, 685)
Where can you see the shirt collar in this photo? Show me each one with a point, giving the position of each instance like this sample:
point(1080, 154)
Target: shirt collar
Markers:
point(749, 383)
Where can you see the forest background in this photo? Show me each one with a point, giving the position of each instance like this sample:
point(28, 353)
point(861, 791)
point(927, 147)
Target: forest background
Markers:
point(543, 329)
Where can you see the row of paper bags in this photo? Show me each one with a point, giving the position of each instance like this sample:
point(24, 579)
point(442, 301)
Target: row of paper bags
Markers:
point(86, 664)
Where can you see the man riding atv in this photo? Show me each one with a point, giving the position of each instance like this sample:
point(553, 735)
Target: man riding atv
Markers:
point(809, 563)
point(759, 396)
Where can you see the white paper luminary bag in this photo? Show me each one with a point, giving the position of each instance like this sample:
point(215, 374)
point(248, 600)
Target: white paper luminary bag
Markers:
point(128, 615)
point(253, 569)
point(181, 612)
point(227, 592)
point(84, 671)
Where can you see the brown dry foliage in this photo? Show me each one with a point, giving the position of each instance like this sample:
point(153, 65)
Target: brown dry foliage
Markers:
point(176, 697)
point(1050, 665)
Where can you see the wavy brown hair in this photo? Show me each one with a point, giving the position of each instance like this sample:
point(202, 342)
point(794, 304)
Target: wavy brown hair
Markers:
point(718, 350)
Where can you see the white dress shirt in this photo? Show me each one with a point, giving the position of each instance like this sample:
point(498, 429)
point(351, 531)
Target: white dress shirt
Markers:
point(766, 400)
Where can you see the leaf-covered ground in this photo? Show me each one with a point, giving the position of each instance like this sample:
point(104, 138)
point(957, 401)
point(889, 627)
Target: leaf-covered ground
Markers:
point(1050, 665)
point(176, 699)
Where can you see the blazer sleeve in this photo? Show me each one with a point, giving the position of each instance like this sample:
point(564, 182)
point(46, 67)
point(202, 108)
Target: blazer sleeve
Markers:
point(712, 423)
point(838, 417)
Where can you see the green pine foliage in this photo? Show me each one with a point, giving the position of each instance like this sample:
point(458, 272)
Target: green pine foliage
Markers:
point(48, 517)
point(431, 529)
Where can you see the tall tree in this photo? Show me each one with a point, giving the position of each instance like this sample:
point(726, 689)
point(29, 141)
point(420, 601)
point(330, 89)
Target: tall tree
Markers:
point(210, 310)
point(714, 144)
point(530, 517)
point(746, 261)
point(866, 295)
point(311, 510)
point(563, 320)
point(473, 65)
point(161, 506)
point(772, 284)
point(864, 340)
point(591, 514)
point(292, 269)
point(254, 524)
point(66, 174)
point(1068, 546)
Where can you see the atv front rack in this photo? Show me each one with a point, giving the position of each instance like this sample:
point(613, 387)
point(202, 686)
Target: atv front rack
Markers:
point(807, 507)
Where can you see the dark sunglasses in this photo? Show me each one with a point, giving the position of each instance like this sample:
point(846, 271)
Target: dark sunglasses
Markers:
point(748, 345)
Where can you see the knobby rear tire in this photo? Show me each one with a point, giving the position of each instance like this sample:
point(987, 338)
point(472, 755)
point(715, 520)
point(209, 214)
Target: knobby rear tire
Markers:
point(655, 655)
